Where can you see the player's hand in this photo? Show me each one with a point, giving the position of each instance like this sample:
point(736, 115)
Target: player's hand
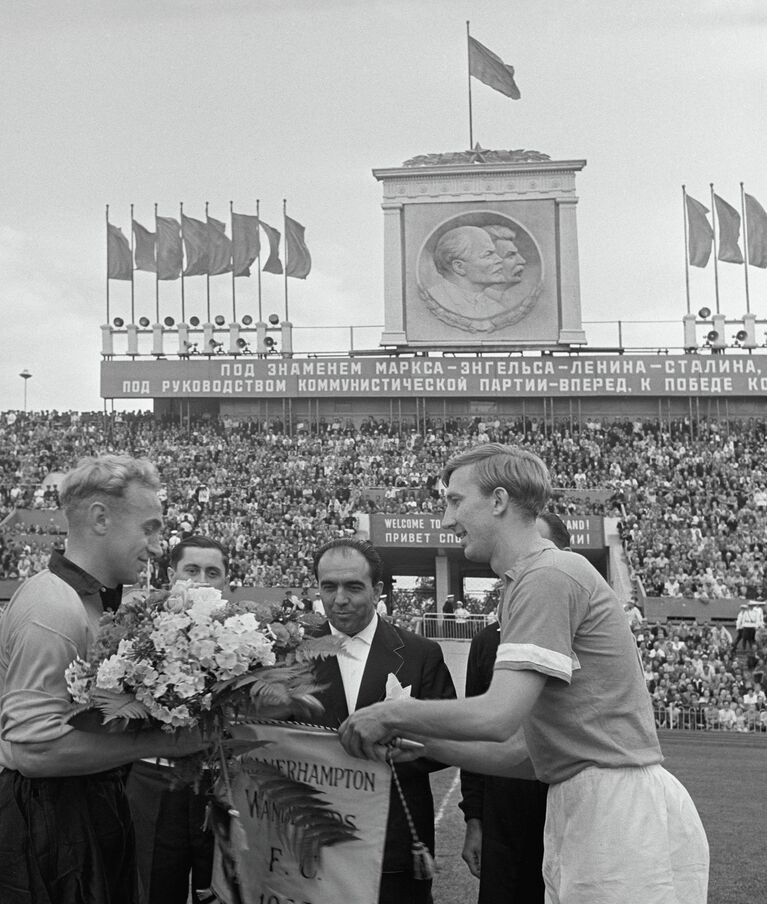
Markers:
point(472, 846)
point(366, 732)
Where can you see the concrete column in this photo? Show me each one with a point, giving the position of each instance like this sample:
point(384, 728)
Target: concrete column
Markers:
point(394, 277)
point(183, 338)
point(749, 325)
point(690, 333)
point(107, 341)
point(157, 342)
point(571, 326)
point(132, 331)
point(442, 580)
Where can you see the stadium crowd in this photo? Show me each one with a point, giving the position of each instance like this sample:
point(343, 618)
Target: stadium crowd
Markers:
point(691, 498)
point(699, 680)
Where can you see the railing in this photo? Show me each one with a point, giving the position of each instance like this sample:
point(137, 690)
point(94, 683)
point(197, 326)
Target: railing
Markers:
point(694, 719)
point(446, 627)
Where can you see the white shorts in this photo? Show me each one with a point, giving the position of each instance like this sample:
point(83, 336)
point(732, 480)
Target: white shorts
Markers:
point(624, 836)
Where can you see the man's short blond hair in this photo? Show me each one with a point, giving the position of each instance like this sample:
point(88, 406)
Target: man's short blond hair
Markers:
point(523, 475)
point(105, 475)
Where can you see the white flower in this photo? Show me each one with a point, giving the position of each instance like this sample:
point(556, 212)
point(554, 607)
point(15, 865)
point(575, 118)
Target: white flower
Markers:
point(111, 673)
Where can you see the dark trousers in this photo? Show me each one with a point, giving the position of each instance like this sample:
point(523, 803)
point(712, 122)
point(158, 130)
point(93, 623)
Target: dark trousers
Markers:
point(170, 841)
point(66, 840)
point(512, 842)
point(402, 888)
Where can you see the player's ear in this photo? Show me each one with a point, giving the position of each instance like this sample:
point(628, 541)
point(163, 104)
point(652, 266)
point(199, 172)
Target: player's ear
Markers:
point(98, 516)
point(500, 500)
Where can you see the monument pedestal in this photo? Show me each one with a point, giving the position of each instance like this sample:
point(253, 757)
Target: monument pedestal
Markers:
point(481, 248)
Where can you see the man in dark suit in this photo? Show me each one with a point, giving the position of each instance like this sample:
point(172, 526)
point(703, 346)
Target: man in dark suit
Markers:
point(349, 573)
point(505, 817)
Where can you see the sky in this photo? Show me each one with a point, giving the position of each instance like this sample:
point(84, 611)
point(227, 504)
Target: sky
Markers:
point(105, 102)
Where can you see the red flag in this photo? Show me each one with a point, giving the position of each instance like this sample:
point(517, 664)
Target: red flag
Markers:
point(246, 242)
point(119, 265)
point(273, 263)
point(298, 261)
point(700, 235)
point(195, 236)
point(144, 249)
point(490, 69)
point(169, 251)
point(729, 231)
point(219, 248)
point(756, 224)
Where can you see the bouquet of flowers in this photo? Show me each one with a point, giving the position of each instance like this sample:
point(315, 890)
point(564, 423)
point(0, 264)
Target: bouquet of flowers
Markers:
point(188, 658)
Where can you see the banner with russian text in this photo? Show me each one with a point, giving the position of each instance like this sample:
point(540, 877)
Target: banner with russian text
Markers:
point(329, 852)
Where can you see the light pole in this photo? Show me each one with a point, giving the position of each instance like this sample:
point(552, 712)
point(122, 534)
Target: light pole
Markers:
point(25, 375)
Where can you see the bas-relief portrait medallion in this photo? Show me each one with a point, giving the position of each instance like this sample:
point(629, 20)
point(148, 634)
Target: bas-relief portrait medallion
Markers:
point(480, 271)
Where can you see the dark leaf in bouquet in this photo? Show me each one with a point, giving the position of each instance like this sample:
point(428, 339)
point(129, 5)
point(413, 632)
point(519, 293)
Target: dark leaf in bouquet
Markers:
point(320, 648)
point(116, 706)
point(86, 718)
point(235, 684)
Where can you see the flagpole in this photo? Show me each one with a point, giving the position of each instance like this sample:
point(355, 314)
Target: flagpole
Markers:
point(234, 297)
point(156, 268)
point(181, 222)
point(207, 274)
point(258, 259)
point(745, 245)
point(132, 271)
point(285, 233)
point(107, 231)
point(686, 247)
point(715, 221)
point(468, 66)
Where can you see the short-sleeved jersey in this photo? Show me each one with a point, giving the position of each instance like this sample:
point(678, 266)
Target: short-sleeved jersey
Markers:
point(559, 617)
point(52, 618)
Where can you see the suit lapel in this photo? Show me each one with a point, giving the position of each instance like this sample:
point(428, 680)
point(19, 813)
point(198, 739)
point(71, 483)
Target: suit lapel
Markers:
point(383, 658)
point(333, 697)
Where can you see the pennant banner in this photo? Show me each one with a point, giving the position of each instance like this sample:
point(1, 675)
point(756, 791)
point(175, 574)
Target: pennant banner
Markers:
point(729, 231)
point(246, 243)
point(119, 265)
point(344, 805)
point(273, 263)
point(700, 235)
point(169, 251)
point(144, 248)
point(219, 248)
point(490, 69)
point(195, 236)
point(298, 261)
point(756, 225)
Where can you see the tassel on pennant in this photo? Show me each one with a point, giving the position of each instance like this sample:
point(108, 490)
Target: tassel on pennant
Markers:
point(423, 862)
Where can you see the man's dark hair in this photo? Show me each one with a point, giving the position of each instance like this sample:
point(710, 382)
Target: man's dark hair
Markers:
point(364, 547)
point(560, 535)
point(196, 541)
